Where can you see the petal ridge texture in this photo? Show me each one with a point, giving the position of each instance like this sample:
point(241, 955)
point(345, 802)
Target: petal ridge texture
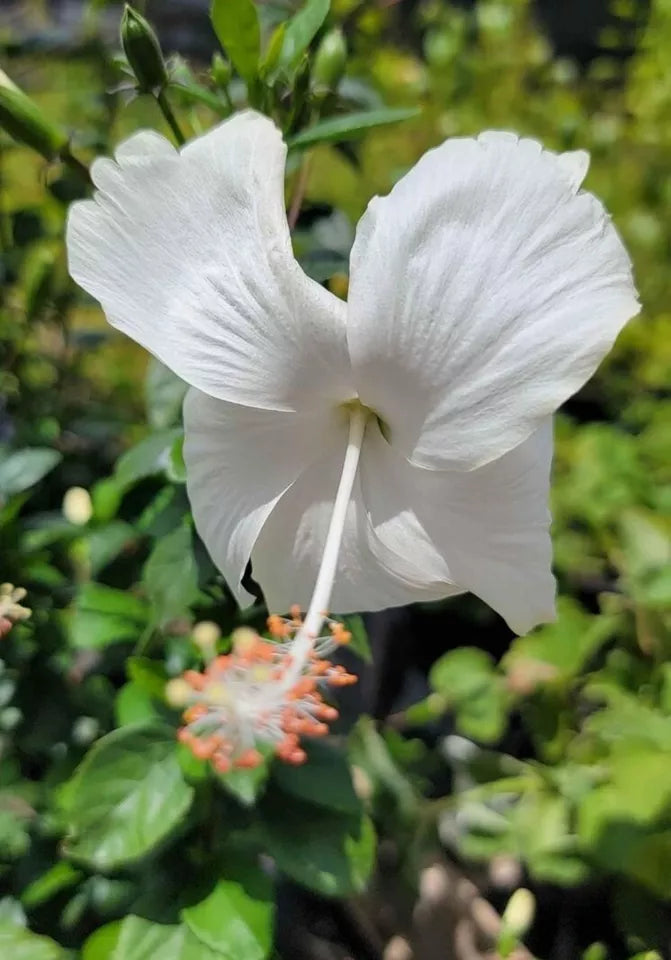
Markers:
point(485, 289)
point(189, 253)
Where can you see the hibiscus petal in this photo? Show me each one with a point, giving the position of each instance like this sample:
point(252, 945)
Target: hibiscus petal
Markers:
point(373, 573)
point(490, 525)
point(239, 462)
point(484, 291)
point(189, 254)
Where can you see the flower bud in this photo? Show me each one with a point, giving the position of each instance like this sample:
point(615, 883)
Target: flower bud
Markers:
point(519, 913)
point(221, 70)
point(177, 693)
point(143, 51)
point(25, 122)
point(330, 60)
point(77, 506)
point(205, 635)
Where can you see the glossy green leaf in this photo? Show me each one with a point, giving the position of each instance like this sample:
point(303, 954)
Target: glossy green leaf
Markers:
point(19, 944)
point(133, 705)
point(324, 779)
point(164, 395)
point(236, 918)
point(138, 939)
point(236, 25)
point(171, 576)
point(59, 877)
point(127, 796)
point(107, 542)
point(150, 456)
point(349, 126)
point(103, 616)
point(327, 852)
point(21, 470)
point(299, 32)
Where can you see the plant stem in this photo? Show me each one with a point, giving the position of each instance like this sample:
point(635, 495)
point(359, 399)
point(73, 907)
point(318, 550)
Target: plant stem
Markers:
point(321, 595)
point(77, 165)
point(299, 192)
point(166, 110)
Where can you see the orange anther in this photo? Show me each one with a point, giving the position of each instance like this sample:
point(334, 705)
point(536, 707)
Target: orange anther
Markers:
point(248, 760)
point(221, 763)
point(195, 712)
point(275, 625)
point(205, 748)
point(194, 679)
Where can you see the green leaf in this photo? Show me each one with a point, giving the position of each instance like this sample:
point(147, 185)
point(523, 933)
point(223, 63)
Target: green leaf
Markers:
point(327, 852)
point(236, 25)
point(271, 58)
point(196, 93)
point(106, 543)
point(127, 796)
point(59, 877)
point(103, 616)
point(150, 456)
point(467, 680)
point(236, 919)
point(351, 125)
point(245, 785)
point(138, 939)
point(21, 470)
point(133, 705)
point(176, 469)
point(19, 944)
point(564, 646)
point(624, 822)
point(164, 395)
point(299, 32)
point(171, 576)
point(14, 832)
point(102, 943)
point(324, 779)
point(148, 675)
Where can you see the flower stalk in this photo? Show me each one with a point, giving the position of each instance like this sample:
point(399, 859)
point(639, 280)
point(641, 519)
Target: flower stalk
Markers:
point(270, 693)
point(321, 596)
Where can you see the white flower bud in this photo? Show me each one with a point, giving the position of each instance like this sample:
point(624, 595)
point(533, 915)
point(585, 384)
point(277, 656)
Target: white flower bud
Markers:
point(205, 635)
point(77, 506)
point(519, 913)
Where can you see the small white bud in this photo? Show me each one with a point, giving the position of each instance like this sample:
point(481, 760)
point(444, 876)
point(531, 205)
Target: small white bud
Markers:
point(177, 693)
point(77, 506)
point(205, 635)
point(519, 913)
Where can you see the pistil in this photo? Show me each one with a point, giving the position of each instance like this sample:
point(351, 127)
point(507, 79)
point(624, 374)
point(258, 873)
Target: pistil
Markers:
point(269, 693)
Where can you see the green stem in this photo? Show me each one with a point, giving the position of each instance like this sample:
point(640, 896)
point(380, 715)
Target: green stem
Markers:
point(227, 98)
point(170, 117)
point(77, 165)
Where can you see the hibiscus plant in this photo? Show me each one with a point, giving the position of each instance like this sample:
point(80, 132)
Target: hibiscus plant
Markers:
point(284, 673)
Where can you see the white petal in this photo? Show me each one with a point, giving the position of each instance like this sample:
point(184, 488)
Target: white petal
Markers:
point(484, 291)
point(239, 462)
point(374, 572)
point(490, 525)
point(189, 253)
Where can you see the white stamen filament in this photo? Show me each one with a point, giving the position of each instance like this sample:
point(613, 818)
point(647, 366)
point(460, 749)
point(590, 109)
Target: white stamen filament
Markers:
point(321, 596)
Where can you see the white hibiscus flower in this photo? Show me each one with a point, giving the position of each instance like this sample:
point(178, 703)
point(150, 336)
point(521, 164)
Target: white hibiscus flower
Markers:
point(484, 290)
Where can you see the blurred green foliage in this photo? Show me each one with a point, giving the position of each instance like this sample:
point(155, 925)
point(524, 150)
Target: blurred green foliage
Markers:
point(114, 843)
